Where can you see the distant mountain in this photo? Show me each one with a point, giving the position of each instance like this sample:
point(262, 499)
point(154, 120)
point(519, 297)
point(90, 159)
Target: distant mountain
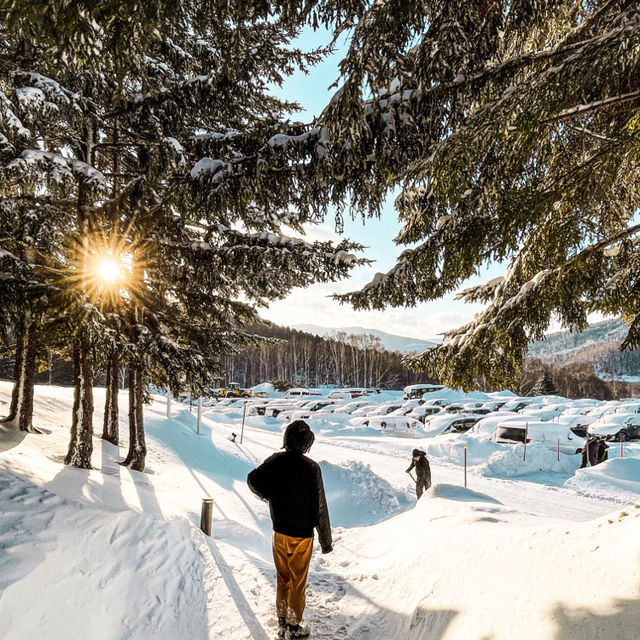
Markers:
point(597, 345)
point(564, 346)
point(390, 342)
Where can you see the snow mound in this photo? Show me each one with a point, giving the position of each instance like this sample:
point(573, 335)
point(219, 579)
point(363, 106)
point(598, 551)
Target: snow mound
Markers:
point(69, 553)
point(450, 448)
point(265, 387)
point(509, 463)
point(620, 476)
point(357, 496)
point(452, 492)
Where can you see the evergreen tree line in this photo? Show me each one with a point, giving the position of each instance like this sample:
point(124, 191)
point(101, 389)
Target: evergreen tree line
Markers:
point(300, 358)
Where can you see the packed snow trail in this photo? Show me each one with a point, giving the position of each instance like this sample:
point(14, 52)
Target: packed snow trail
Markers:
point(110, 553)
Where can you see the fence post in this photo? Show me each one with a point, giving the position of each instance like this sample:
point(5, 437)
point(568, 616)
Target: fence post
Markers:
point(244, 413)
point(199, 413)
point(169, 403)
point(206, 515)
point(465, 466)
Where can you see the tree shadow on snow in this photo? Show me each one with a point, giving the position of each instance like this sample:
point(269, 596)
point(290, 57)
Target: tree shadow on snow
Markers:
point(586, 624)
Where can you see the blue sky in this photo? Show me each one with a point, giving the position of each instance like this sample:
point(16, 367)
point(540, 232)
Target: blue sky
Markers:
point(312, 305)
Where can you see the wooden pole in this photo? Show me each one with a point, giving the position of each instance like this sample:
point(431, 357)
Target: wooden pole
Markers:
point(199, 414)
point(244, 413)
point(465, 466)
point(206, 515)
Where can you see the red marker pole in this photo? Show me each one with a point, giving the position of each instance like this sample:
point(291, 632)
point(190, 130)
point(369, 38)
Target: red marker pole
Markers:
point(558, 448)
point(622, 449)
point(465, 466)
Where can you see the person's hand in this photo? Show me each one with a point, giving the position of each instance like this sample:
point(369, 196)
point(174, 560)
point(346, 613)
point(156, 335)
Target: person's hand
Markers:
point(328, 549)
point(407, 471)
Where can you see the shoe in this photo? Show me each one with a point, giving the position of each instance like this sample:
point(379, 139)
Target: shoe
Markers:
point(300, 630)
point(282, 628)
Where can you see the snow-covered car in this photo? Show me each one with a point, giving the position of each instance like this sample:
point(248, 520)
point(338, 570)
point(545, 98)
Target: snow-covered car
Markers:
point(363, 410)
point(617, 426)
point(394, 425)
point(275, 407)
point(546, 412)
point(423, 411)
point(342, 394)
point(384, 409)
point(494, 405)
point(355, 405)
point(489, 424)
point(578, 423)
point(419, 390)
point(548, 434)
point(516, 404)
point(305, 411)
point(450, 422)
point(628, 407)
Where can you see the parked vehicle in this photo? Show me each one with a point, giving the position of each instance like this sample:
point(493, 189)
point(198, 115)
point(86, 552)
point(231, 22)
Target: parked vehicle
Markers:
point(341, 394)
point(423, 411)
point(234, 390)
point(309, 408)
point(394, 425)
point(617, 426)
point(418, 390)
point(545, 433)
point(442, 423)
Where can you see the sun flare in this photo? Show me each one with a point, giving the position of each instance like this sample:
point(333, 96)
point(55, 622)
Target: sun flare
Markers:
point(109, 270)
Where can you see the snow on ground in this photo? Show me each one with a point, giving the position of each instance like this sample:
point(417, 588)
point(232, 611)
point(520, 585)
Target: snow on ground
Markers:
point(531, 549)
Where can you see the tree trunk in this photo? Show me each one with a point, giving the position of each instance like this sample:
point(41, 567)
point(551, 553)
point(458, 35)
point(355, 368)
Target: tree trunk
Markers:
point(81, 443)
point(137, 448)
point(21, 410)
point(110, 430)
point(17, 368)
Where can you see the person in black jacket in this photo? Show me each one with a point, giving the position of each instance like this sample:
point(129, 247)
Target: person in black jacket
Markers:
point(423, 470)
point(594, 452)
point(292, 484)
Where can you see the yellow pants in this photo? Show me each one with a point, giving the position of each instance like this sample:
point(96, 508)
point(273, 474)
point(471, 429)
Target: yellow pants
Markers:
point(292, 557)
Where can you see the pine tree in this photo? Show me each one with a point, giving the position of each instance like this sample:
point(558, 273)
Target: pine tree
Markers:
point(510, 130)
point(173, 160)
point(544, 386)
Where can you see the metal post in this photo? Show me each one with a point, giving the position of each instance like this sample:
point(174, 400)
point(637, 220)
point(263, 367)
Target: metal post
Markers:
point(206, 515)
point(526, 433)
point(169, 403)
point(199, 414)
point(465, 466)
point(244, 413)
point(558, 448)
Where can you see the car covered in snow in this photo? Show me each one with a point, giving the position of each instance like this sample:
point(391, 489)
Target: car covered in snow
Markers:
point(394, 425)
point(617, 426)
point(419, 390)
point(425, 411)
point(450, 423)
point(548, 434)
point(308, 409)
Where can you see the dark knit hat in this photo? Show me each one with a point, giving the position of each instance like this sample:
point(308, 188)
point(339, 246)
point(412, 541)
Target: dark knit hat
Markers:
point(418, 452)
point(298, 437)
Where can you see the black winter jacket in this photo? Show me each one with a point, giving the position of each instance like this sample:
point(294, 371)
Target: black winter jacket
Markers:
point(292, 484)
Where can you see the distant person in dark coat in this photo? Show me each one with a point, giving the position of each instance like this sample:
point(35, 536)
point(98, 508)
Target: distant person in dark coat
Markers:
point(423, 471)
point(292, 484)
point(594, 452)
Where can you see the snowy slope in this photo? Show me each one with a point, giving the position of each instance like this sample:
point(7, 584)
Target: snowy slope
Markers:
point(561, 346)
point(528, 551)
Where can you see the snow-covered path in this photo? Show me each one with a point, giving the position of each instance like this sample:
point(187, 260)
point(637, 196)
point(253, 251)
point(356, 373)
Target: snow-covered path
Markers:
point(118, 554)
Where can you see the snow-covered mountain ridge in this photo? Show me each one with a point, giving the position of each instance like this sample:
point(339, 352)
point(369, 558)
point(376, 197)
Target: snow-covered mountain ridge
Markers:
point(564, 346)
point(391, 342)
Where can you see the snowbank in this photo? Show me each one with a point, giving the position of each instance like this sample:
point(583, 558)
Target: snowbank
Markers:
point(619, 476)
point(509, 462)
point(357, 496)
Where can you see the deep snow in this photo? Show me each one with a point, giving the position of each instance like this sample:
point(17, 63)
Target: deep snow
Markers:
point(529, 550)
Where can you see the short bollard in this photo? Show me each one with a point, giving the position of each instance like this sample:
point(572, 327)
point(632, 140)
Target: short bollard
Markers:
point(205, 515)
